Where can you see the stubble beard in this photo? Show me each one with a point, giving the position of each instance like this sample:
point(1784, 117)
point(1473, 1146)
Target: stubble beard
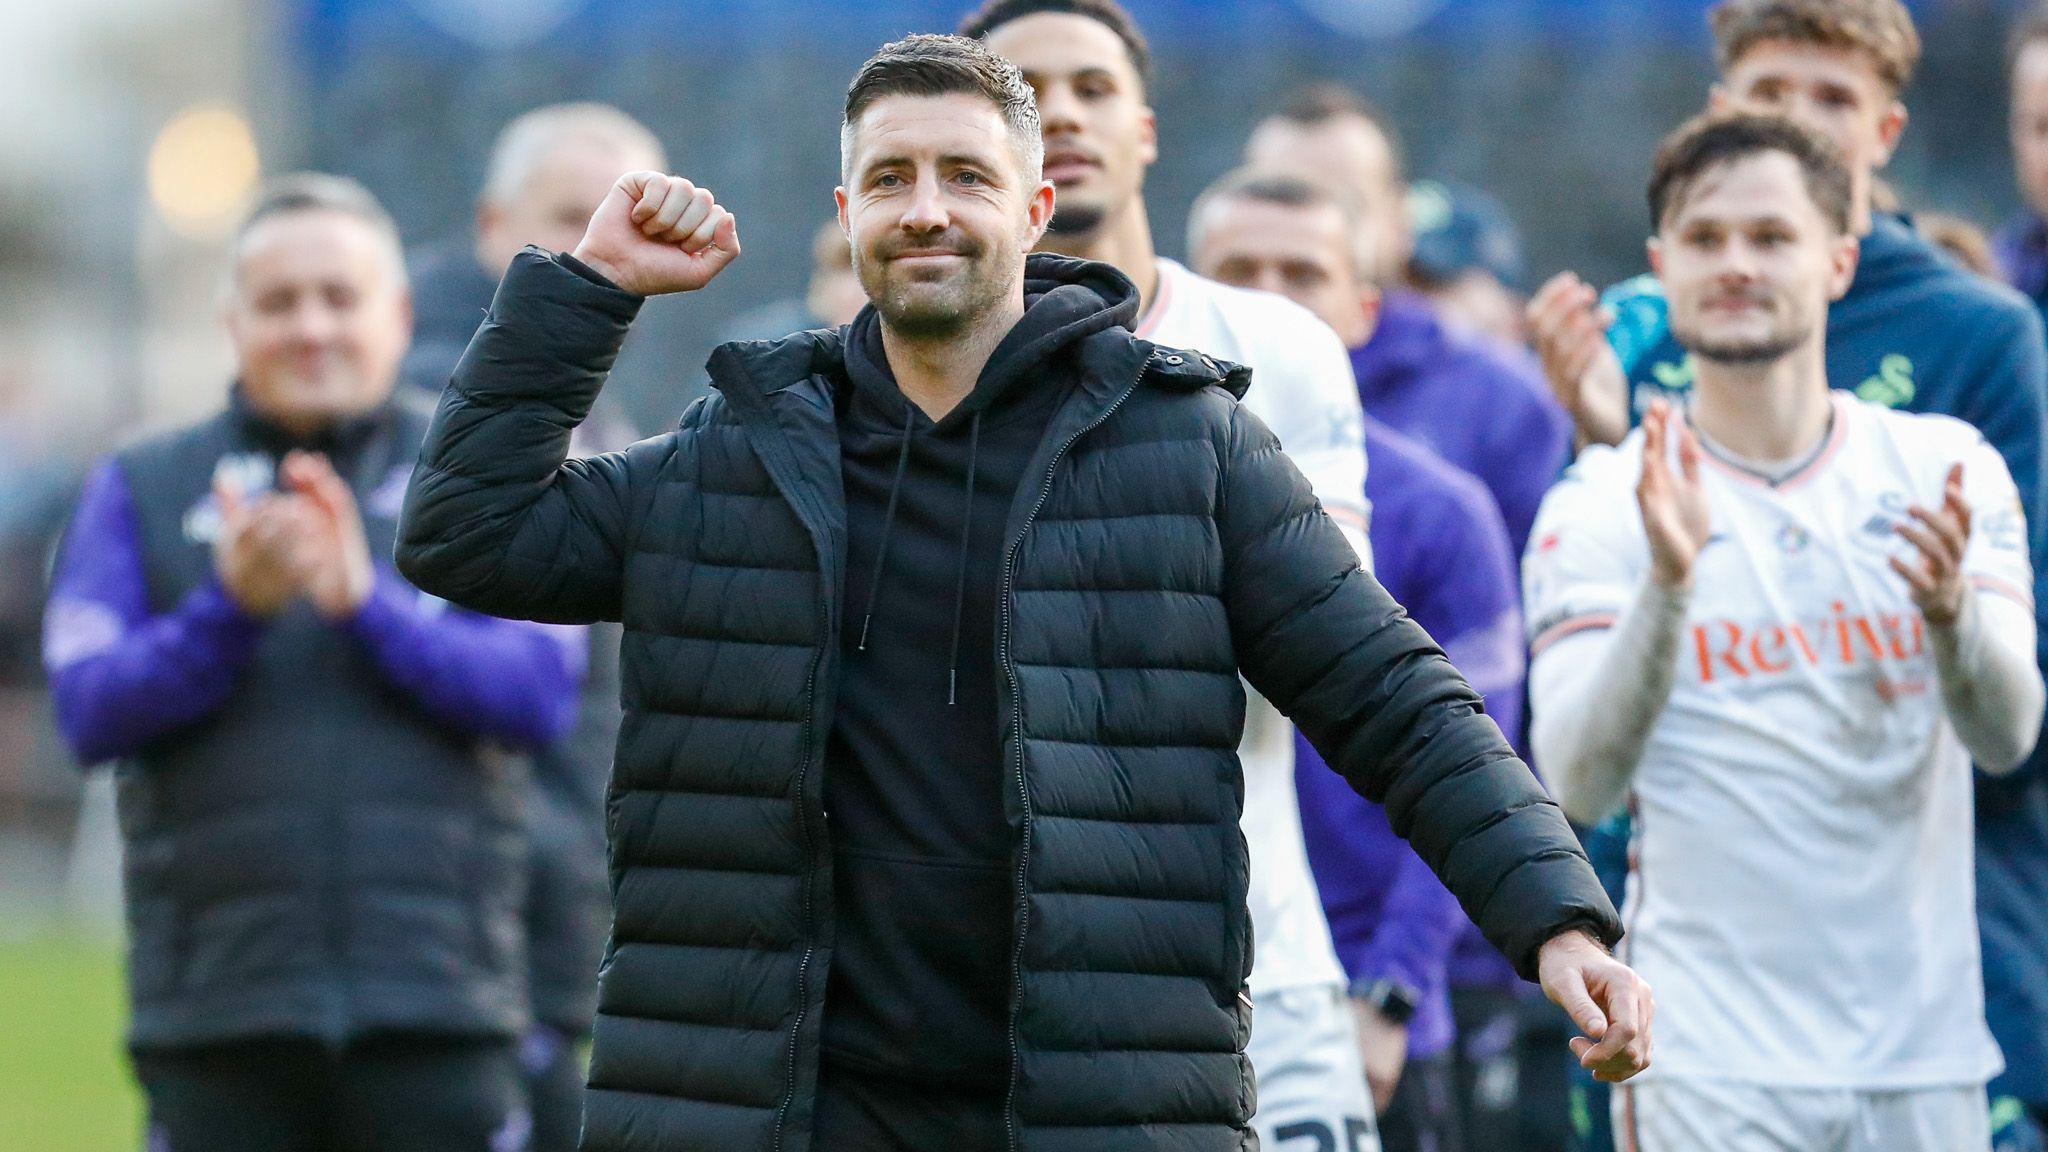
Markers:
point(1784, 339)
point(924, 320)
point(1076, 219)
point(1737, 353)
point(925, 312)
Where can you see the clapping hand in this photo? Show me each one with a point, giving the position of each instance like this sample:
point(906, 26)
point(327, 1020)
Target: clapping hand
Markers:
point(264, 552)
point(1941, 535)
point(342, 574)
point(1673, 502)
point(1570, 335)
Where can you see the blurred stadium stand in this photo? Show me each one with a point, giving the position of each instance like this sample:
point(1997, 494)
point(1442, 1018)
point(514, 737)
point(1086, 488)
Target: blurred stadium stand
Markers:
point(129, 129)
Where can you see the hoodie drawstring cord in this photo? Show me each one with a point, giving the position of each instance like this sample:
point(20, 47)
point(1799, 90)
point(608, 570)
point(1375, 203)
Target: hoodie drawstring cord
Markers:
point(960, 573)
point(888, 523)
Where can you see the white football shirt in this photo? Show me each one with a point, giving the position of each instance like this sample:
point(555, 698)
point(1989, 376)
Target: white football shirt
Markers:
point(1302, 388)
point(1800, 890)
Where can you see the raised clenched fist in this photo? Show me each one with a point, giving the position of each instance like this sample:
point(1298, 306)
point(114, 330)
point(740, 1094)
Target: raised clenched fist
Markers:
point(657, 233)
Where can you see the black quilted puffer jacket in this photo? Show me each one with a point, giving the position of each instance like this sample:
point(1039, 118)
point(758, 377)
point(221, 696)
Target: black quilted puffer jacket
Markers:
point(1160, 546)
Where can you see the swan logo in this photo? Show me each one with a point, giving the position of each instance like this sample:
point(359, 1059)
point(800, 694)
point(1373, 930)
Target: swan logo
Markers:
point(1892, 385)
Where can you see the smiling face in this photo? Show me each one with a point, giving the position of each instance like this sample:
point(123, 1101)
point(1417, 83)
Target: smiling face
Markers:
point(1099, 135)
point(1749, 261)
point(940, 211)
point(319, 315)
point(1835, 92)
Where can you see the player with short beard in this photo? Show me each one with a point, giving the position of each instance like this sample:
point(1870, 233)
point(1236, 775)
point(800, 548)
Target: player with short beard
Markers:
point(1778, 628)
point(1914, 331)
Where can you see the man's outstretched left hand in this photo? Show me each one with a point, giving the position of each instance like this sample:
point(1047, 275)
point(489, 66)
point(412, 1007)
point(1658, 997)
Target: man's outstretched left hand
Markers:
point(1605, 998)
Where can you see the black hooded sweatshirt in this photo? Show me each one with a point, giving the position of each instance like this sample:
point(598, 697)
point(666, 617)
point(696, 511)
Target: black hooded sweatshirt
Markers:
point(923, 856)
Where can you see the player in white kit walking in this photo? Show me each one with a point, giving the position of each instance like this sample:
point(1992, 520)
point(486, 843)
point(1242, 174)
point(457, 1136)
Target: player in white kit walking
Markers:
point(1779, 627)
point(1085, 62)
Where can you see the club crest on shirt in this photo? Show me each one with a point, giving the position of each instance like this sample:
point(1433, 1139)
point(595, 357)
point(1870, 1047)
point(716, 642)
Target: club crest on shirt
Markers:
point(1676, 377)
point(1797, 557)
point(1879, 532)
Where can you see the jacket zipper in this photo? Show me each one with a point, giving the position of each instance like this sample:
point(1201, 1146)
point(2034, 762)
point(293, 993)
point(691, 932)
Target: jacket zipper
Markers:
point(803, 968)
point(756, 406)
point(1016, 704)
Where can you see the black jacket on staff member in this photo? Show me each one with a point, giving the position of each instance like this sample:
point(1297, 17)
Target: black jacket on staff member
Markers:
point(323, 832)
point(1157, 544)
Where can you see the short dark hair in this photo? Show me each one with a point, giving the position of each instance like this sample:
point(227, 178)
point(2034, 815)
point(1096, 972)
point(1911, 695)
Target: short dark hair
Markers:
point(1710, 141)
point(1108, 13)
point(1288, 190)
point(320, 192)
point(1880, 29)
point(1325, 101)
point(927, 65)
point(2030, 29)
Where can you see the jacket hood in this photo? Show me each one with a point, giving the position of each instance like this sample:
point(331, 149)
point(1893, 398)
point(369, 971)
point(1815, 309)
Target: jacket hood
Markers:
point(1065, 302)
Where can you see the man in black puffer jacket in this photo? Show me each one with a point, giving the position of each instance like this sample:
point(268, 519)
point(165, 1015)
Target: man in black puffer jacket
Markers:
point(924, 821)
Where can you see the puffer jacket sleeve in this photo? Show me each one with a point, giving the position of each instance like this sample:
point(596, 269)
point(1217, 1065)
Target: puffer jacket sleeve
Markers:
point(1320, 638)
point(497, 518)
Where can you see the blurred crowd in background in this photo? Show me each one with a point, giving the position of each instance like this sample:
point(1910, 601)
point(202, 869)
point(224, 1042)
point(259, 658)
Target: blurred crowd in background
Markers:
point(132, 133)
